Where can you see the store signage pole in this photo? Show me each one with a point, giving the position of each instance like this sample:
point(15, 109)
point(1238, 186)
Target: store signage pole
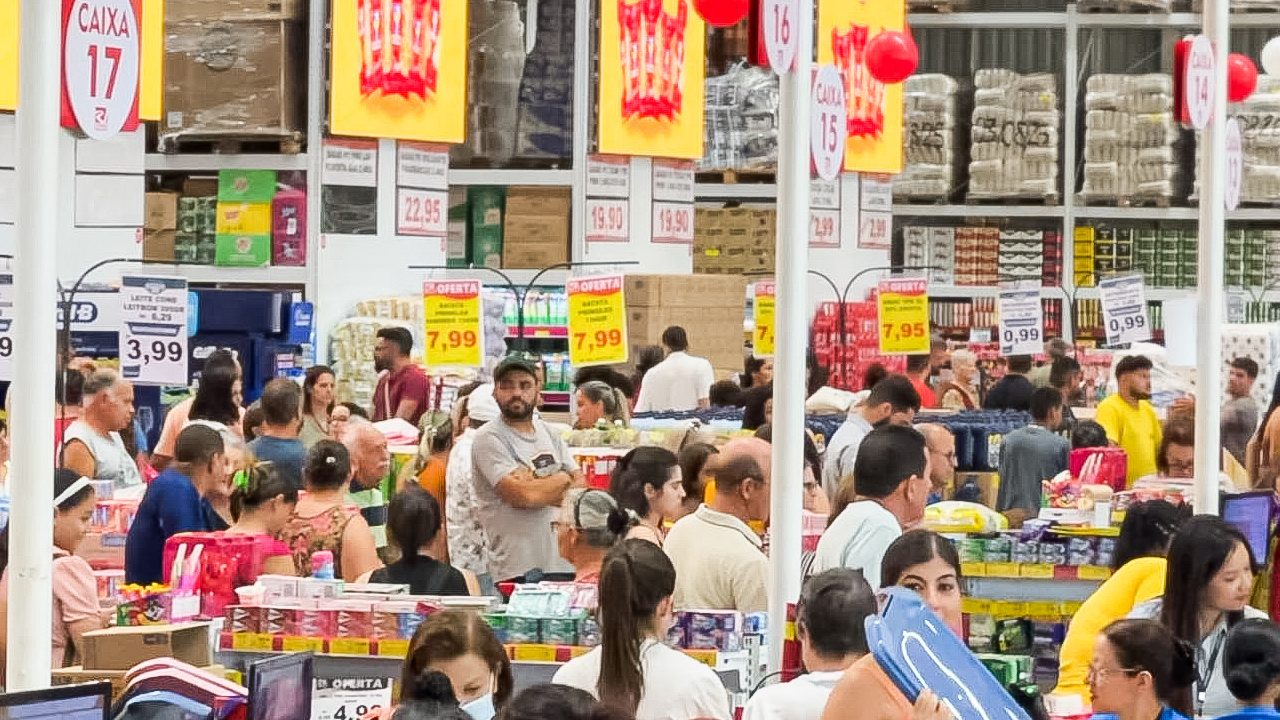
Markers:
point(789, 387)
point(35, 333)
point(1212, 225)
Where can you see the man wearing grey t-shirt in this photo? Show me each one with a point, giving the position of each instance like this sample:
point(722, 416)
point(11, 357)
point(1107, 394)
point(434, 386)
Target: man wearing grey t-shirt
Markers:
point(522, 470)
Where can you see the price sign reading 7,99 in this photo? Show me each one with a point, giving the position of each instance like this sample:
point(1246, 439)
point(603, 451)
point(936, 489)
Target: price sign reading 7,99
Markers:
point(903, 306)
point(764, 310)
point(597, 321)
point(453, 323)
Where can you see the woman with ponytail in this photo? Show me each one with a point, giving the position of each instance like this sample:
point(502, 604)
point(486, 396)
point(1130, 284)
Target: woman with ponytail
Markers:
point(262, 501)
point(590, 524)
point(1251, 662)
point(633, 669)
point(598, 401)
point(647, 483)
point(1140, 671)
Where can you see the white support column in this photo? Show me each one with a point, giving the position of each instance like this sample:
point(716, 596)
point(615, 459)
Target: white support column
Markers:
point(31, 517)
point(791, 335)
point(1212, 231)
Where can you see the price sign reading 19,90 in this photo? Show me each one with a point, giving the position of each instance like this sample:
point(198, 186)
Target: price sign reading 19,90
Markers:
point(153, 333)
point(597, 321)
point(903, 306)
point(608, 220)
point(453, 324)
point(1124, 309)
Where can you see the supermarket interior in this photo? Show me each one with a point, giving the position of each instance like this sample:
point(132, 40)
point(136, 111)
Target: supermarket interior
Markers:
point(649, 359)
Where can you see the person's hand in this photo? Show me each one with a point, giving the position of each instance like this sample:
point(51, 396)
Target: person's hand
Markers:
point(1184, 408)
point(929, 707)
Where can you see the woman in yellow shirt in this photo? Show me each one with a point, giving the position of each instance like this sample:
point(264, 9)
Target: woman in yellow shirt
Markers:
point(1138, 576)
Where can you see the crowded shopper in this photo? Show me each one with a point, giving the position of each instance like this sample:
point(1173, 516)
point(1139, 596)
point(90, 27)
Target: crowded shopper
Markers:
point(413, 522)
point(69, 403)
point(403, 387)
point(941, 444)
point(596, 403)
point(693, 459)
point(891, 481)
point(214, 401)
point(1251, 664)
point(1014, 390)
point(1240, 411)
point(1141, 670)
point(466, 541)
point(1055, 349)
point(370, 462)
point(680, 382)
point(830, 624)
point(461, 645)
point(757, 372)
point(93, 446)
point(1064, 376)
point(1264, 452)
point(437, 444)
point(918, 374)
point(590, 524)
point(323, 520)
point(540, 702)
point(1129, 419)
point(427, 696)
point(892, 400)
point(927, 563)
point(647, 358)
point(522, 471)
point(647, 484)
point(728, 394)
point(958, 393)
point(815, 498)
point(277, 440)
point(262, 501)
point(633, 667)
point(1031, 455)
point(317, 405)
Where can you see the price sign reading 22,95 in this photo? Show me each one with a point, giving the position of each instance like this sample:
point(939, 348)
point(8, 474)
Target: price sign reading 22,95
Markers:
point(153, 332)
point(597, 321)
point(453, 323)
point(903, 306)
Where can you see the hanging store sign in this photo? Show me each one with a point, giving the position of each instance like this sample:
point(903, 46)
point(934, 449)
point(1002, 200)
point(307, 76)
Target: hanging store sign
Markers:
point(1124, 309)
point(1021, 321)
point(399, 70)
point(824, 213)
point(764, 311)
point(101, 66)
point(652, 66)
point(1198, 82)
point(422, 192)
point(778, 23)
point(672, 202)
point(597, 320)
point(874, 109)
point(608, 190)
point(153, 331)
point(828, 121)
point(453, 323)
point(903, 313)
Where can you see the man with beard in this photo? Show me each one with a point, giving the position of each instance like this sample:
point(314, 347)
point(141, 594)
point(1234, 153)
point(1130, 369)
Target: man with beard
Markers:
point(402, 386)
point(1129, 419)
point(521, 473)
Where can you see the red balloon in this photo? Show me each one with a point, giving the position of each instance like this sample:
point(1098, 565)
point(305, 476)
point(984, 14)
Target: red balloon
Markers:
point(892, 56)
point(721, 13)
point(1242, 77)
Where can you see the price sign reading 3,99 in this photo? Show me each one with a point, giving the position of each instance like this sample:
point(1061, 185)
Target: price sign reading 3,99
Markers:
point(453, 323)
point(153, 332)
point(1021, 321)
point(1124, 309)
point(764, 310)
point(903, 306)
point(597, 321)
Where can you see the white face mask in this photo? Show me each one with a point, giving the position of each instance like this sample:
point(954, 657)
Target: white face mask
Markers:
point(481, 708)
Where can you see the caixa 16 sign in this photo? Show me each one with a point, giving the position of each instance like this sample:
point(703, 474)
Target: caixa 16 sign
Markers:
point(101, 62)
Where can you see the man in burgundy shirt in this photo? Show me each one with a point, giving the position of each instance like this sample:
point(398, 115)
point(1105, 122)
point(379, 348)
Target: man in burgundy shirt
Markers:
point(403, 387)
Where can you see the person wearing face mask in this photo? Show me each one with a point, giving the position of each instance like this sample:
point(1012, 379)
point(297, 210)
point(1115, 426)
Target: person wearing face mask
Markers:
point(1140, 671)
point(648, 483)
point(1251, 663)
point(1207, 589)
point(1129, 418)
point(633, 668)
point(462, 646)
point(893, 400)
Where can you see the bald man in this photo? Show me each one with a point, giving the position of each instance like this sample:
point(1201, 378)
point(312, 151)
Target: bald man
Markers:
point(370, 463)
point(942, 457)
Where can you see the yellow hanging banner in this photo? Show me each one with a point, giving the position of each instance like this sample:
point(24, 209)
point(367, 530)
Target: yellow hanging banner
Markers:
point(903, 306)
point(453, 323)
point(763, 311)
point(597, 321)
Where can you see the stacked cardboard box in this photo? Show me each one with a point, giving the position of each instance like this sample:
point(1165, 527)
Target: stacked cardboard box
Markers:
point(1021, 256)
point(160, 226)
point(244, 217)
point(710, 308)
point(535, 231)
point(484, 225)
point(734, 241)
point(196, 239)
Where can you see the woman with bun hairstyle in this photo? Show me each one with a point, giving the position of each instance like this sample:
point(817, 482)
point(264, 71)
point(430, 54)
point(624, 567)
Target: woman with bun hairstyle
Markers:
point(634, 669)
point(540, 702)
point(693, 458)
point(590, 524)
point(429, 696)
point(461, 645)
point(647, 483)
point(597, 401)
point(325, 520)
point(1140, 671)
point(262, 501)
point(1251, 661)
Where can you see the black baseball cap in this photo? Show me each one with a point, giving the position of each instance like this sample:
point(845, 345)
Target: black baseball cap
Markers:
point(514, 363)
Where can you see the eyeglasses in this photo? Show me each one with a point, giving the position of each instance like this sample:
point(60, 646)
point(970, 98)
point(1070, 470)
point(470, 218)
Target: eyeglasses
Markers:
point(1182, 467)
point(1101, 674)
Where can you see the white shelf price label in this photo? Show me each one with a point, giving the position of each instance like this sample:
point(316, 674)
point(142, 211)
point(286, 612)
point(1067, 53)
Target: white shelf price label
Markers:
point(828, 128)
point(673, 223)
point(875, 230)
point(824, 228)
point(422, 165)
point(608, 220)
point(1021, 321)
point(1235, 164)
point(1198, 86)
point(422, 212)
point(6, 326)
point(1124, 309)
point(101, 61)
point(349, 698)
point(779, 20)
point(153, 330)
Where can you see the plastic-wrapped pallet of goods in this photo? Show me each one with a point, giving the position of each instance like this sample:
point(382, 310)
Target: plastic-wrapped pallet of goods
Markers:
point(1259, 118)
point(929, 143)
point(352, 340)
point(1126, 6)
point(1130, 140)
point(1015, 137)
point(1243, 5)
point(742, 120)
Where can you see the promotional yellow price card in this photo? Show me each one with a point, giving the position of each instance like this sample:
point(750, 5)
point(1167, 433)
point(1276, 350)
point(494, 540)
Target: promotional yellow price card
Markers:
point(763, 311)
point(453, 322)
point(597, 321)
point(903, 304)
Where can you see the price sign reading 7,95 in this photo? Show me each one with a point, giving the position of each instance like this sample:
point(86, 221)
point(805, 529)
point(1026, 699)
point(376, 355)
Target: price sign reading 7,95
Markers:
point(764, 309)
point(903, 306)
point(597, 321)
point(453, 323)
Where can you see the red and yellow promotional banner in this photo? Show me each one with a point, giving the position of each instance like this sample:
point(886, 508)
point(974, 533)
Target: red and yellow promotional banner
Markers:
point(652, 67)
point(903, 307)
point(597, 321)
point(764, 310)
point(874, 115)
point(453, 323)
point(151, 86)
point(399, 69)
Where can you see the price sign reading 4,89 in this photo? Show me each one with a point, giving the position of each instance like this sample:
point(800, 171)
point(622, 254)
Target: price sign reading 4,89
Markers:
point(1124, 309)
point(153, 332)
point(903, 306)
point(453, 323)
point(597, 321)
point(764, 310)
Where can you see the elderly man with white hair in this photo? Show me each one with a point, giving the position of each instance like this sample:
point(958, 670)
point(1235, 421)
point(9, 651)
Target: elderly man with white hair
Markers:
point(92, 445)
point(959, 392)
point(370, 463)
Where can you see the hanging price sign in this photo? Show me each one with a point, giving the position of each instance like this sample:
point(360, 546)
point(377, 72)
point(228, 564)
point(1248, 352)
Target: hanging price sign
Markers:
point(1021, 321)
point(828, 129)
point(454, 323)
point(422, 212)
point(6, 326)
point(608, 220)
point(1124, 309)
point(903, 306)
point(824, 213)
point(763, 312)
point(778, 18)
point(597, 321)
point(1235, 164)
point(1198, 88)
point(101, 65)
point(153, 330)
point(673, 223)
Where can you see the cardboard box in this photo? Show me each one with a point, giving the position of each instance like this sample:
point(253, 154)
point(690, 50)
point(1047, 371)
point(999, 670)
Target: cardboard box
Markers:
point(160, 211)
point(484, 225)
point(243, 250)
point(241, 218)
point(289, 228)
point(456, 248)
point(76, 675)
point(158, 245)
point(120, 648)
point(230, 10)
point(246, 186)
point(685, 290)
point(534, 254)
point(536, 227)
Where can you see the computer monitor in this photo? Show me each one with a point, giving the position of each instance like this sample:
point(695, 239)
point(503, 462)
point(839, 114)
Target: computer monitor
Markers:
point(1250, 513)
point(280, 688)
point(90, 701)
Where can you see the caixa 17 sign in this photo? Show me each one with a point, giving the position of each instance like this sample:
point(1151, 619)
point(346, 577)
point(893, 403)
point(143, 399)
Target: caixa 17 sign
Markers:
point(101, 61)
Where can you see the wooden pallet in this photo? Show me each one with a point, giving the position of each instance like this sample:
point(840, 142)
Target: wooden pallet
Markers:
point(1023, 200)
point(735, 177)
point(941, 7)
point(1163, 203)
point(1121, 7)
point(231, 143)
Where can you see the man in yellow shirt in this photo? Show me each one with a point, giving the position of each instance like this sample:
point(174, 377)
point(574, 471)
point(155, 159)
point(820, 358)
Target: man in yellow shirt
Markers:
point(1129, 419)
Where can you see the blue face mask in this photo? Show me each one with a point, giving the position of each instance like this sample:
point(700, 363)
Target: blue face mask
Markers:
point(481, 708)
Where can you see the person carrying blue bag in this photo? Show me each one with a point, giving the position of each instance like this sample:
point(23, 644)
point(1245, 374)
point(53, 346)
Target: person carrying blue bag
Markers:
point(1251, 662)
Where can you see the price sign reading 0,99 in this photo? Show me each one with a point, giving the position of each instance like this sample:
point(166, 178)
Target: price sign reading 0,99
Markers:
point(153, 333)
point(453, 323)
point(597, 321)
point(903, 306)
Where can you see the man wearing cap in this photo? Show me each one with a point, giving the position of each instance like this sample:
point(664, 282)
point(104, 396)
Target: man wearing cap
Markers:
point(468, 546)
point(521, 473)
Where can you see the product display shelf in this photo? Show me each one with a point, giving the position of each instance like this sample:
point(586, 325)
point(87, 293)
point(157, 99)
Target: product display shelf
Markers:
point(274, 275)
point(1036, 582)
point(981, 211)
point(197, 163)
point(467, 176)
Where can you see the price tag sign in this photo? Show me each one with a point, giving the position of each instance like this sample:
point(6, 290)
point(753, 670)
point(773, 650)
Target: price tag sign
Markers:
point(763, 312)
point(608, 220)
point(422, 165)
point(608, 176)
point(597, 321)
point(828, 128)
point(423, 213)
point(348, 698)
point(874, 230)
point(1198, 87)
point(153, 330)
point(1124, 309)
point(6, 326)
point(1235, 164)
point(824, 213)
point(673, 180)
point(779, 20)
point(1021, 321)
point(101, 61)
point(903, 305)
point(454, 323)
point(673, 223)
